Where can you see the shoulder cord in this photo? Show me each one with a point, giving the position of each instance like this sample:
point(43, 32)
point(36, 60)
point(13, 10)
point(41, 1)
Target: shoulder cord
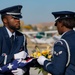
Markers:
point(68, 49)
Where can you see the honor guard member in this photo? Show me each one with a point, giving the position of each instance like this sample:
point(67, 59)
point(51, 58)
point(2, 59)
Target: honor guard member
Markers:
point(11, 48)
point(63, 61)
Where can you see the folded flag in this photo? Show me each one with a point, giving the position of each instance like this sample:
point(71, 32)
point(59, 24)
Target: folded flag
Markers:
point(17, 63)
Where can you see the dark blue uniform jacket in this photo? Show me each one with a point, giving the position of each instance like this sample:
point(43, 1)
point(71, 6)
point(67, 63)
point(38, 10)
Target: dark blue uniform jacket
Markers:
point(60, 56)
point(5, 46)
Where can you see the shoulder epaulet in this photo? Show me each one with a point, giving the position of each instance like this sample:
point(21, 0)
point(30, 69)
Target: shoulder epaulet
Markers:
point(59, 42)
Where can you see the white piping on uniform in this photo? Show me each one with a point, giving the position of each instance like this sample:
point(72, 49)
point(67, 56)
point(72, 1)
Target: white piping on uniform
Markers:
point(11, 13)
point(68, 49)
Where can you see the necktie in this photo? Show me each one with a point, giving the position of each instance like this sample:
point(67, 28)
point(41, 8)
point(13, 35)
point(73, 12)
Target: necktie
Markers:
point(12, 40)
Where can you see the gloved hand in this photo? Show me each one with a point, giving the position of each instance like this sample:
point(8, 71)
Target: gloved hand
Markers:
point(41, 60)
point(19, 71)
point(20, 55)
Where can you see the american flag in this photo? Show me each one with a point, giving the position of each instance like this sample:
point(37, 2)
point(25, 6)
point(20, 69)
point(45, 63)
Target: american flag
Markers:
point(17, 63)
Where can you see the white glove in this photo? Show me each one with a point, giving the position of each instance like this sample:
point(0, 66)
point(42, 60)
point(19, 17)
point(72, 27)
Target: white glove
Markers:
point(20, 55)
point(41, 60)
point(19, 71)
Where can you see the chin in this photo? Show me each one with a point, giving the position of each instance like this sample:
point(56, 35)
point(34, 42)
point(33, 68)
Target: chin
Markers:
point(17, 28)
point(60, 33)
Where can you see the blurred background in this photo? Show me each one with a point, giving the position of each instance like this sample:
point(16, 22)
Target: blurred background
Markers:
point(37, 23)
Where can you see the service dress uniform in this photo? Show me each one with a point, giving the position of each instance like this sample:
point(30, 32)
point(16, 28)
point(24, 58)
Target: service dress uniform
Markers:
point(60, 56)
point(58, 64)
point(19, 42)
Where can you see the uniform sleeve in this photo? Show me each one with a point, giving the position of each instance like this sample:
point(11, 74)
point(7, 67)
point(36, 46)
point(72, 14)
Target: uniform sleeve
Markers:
point(58, 64)
point(26, 68)
point(1, 57)
point(26, 46)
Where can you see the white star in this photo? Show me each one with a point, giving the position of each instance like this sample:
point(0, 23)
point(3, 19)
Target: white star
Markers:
point(10, 66)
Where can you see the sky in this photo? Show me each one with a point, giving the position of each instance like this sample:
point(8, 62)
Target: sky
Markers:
point(39, 11)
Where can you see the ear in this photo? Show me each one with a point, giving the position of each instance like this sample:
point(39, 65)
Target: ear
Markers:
point(4, 20)
point(62, 25)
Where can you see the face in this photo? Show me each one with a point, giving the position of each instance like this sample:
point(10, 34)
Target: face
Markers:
point(12, 23)
point(60, 28)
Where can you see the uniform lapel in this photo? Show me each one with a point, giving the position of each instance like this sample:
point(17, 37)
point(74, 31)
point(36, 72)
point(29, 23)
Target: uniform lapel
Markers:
point(15, 44)
point(18, 43)
point(7, 39)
